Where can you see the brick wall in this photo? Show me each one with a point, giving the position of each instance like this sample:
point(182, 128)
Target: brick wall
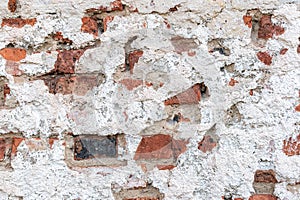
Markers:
point(150, 100)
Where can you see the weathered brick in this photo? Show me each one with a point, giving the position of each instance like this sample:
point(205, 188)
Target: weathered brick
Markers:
point(208, 143)
point(297, 108)
point(18, 22)
point(13, 54)
point(12, 5)
point(93, 150)
point(291, 146)
point(140, 193)
point(60, 38)
point(264, 57)
point(78, 84)
point(267, 29)
point(133, 58)
point(8, 148)
point(190, 96)
point(159, 146)
point(265, 176)
point(283, 51)
point(130, 84)
point(4, 90)
point(181, 44)
point(12, 68)
point(94, 147)
point(232, 82)
point(263, 197)
point(89, 25)
point(106, 20)
point(66, 60)
point(247, 20)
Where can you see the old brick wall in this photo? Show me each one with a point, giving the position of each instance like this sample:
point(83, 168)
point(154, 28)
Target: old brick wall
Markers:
point(150, 99)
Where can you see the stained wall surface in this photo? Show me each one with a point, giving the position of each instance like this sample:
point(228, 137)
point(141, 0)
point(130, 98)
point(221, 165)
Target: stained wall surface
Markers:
point(150, 99)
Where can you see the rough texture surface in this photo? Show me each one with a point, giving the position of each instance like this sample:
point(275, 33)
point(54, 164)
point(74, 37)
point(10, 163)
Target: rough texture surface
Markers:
point(150, 99)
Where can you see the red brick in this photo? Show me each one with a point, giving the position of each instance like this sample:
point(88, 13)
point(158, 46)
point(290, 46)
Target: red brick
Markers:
point(89, 25)
point(283, 51)
point(297, 108)
point(265, 176)
point(263, 197)
point(2, 148)
point(17, 22)
point(133, 58)
point(190, 96)
point(116, 5)
point(159, 147)
point(130, 84)
point(12, 5)
point(106, 20)
point(59, 37)
point(291, 146)
point(16, 143)
point(77, 84)
point(165, 167)
point(13, 54)
point(264, 57)
point(247, 20)
point(207, 144)
point(232, 82)
point(66, 60)
point(298, 49)
point(267, 29)
point(251, 92)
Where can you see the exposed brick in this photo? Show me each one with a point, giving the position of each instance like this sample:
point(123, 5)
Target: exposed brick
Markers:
point(265, 176)
point(181, 44)
point(13, 54)
point(12, 68)
point(130, 84)
point(2, 148)
point(217, 45)
point(89, 25)
point(283, 51)
point(208, 143)
point(8, 146)
point(247, 20)
point(66, 60)
point(190, 96)
point(165, 167)
point(18, 22)
point(232, 82)
point(267, 29)
point(291, 146)
point(106, 20)
point(78, 84)
point(59, 37)
point(140, 193)
point(113, 6)
point(298, 49)
point(93, 150)
point(264, 57)
point(133, 58)
point(159, 146)
point(116, 5)
point(263, 197)
point(16, 142)
point(297, 108)
point(4, 90)
point(12, 5)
